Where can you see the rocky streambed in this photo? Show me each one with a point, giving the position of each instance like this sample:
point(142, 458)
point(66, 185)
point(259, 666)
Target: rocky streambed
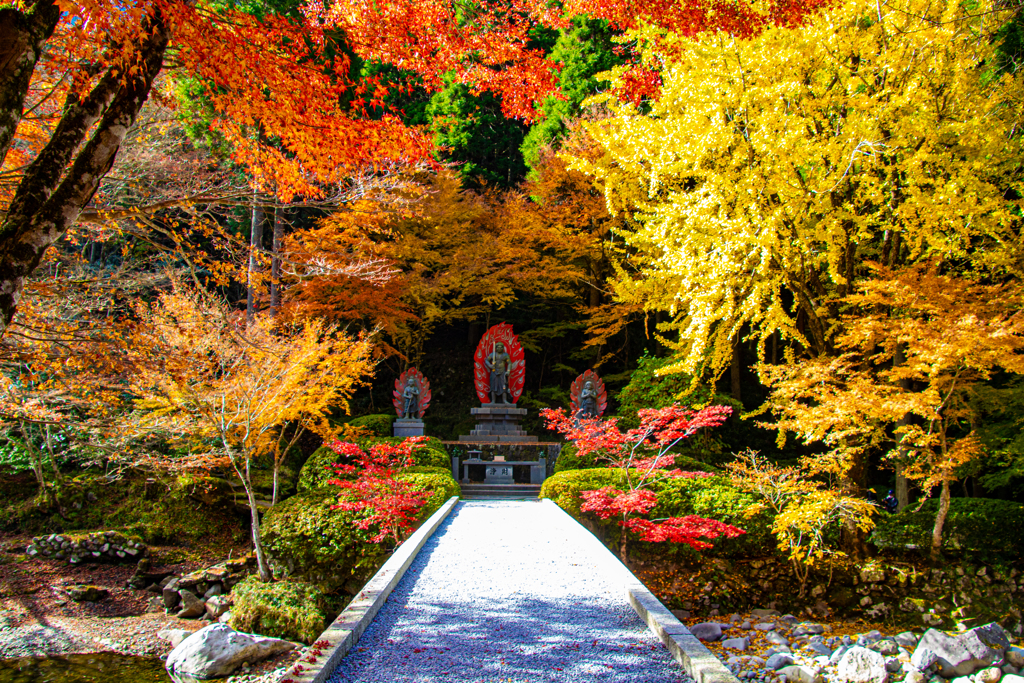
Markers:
point(768, 647)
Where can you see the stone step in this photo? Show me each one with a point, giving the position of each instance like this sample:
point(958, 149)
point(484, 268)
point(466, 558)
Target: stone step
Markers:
point(499, 491)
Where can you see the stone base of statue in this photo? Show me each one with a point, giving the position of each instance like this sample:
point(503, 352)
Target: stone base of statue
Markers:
point(497, 422)
point(407, 426)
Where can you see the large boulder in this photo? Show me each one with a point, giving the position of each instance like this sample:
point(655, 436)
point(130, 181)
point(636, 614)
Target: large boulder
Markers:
point(862, 665)
point(217, 650)
point(963, 654)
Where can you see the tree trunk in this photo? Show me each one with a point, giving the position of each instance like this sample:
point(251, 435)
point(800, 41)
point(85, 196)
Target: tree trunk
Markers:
point(255, 246)
point(940, 521)
point(50, 195)
point(275, 262)
point(735, 387)
point(902, 485)
point(23, 34)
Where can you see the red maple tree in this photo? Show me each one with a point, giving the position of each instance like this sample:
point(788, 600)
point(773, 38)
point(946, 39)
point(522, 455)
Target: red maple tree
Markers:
point(659, 431)
point(390, 504)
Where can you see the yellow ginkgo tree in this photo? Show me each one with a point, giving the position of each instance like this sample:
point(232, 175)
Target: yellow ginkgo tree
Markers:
point(770, 169)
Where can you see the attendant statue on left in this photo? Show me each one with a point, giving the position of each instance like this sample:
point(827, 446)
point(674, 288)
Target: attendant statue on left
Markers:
point(411, 396)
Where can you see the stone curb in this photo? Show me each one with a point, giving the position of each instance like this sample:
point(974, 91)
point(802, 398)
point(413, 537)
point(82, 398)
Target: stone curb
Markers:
point(698, 661)
point(343, 634)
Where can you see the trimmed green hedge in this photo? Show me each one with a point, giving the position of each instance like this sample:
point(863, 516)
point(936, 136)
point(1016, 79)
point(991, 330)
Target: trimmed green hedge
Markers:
point(422, 469)
point(973, 525)
point(293, 610)
point(568, 459)
point(441, 486)
point(710, 497)
point(317, 472)
point(379, 425)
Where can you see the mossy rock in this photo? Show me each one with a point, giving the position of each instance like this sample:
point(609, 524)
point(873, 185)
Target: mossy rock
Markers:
point(305, 539)
point(293, 610)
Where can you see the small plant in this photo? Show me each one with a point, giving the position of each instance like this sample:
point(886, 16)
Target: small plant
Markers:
point(660, 430)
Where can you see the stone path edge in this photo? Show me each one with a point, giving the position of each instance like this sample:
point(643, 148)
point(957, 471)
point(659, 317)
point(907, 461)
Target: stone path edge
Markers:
point(698, 661)
point(344, 632)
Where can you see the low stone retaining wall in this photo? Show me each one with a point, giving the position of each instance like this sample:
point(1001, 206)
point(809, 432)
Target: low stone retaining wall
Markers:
point(102, 546)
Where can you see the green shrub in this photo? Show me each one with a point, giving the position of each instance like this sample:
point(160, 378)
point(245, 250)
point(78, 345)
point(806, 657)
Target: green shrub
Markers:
point(306, 539)
point(379, 425)
point(317, 470)
point(293, 610)
point(441, 487)
point(569, 459)
point(422, 469)
point(710, 497)
point(983, 526)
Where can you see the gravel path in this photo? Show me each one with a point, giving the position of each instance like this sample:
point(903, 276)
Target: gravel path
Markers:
point(509, 591)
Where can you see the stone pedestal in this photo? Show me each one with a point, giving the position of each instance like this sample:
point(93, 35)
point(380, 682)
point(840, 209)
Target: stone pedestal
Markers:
point(498, 473)
point(497, 422)
point(404, 427)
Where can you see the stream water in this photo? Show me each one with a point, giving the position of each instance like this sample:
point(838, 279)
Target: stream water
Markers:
point(104, 667)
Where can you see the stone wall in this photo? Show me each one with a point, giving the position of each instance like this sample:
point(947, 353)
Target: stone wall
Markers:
point(102, 546)
point(878, 591)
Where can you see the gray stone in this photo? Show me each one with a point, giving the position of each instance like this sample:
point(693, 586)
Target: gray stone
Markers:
point(820, 648)
point(885, 646)
point(740, 644)
point(745, 625)
point(216, 606)
point(776, 638)
point(764, 626)
point(778, 661)
point(1012, 678)
point(191, 605)
point(225, 618)
point(216, 651)
point(838, 654)
point(953, 655)
point(707, 630)
point(170, 594)
point(680, 614)
point(914, 676)
point(173, 635)
point(807, 629)
point(861, 665)
point(213, 590)
point(986, 642)
point(789, 619)
point(989, 675)
point(801, 674)
point(906, 639)
point(893, 665)
point(1010, 669)
point(1015, 656)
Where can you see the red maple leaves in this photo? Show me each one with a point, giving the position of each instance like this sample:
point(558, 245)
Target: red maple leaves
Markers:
point(659, 431)
point(390, 504)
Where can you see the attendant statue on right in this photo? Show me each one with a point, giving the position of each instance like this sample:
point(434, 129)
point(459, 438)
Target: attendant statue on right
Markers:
point(588, 396)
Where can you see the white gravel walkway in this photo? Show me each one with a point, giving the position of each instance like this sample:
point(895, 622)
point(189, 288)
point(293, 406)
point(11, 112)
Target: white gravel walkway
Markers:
point(509, 591)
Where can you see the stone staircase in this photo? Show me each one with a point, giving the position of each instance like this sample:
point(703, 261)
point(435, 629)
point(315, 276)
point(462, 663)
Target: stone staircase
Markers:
point(500, 491)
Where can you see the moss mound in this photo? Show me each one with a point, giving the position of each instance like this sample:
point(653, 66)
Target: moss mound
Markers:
point(293, 610)
point(317, 470)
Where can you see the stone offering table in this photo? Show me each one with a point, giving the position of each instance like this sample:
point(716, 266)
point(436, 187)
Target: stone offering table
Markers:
point(499, 472)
